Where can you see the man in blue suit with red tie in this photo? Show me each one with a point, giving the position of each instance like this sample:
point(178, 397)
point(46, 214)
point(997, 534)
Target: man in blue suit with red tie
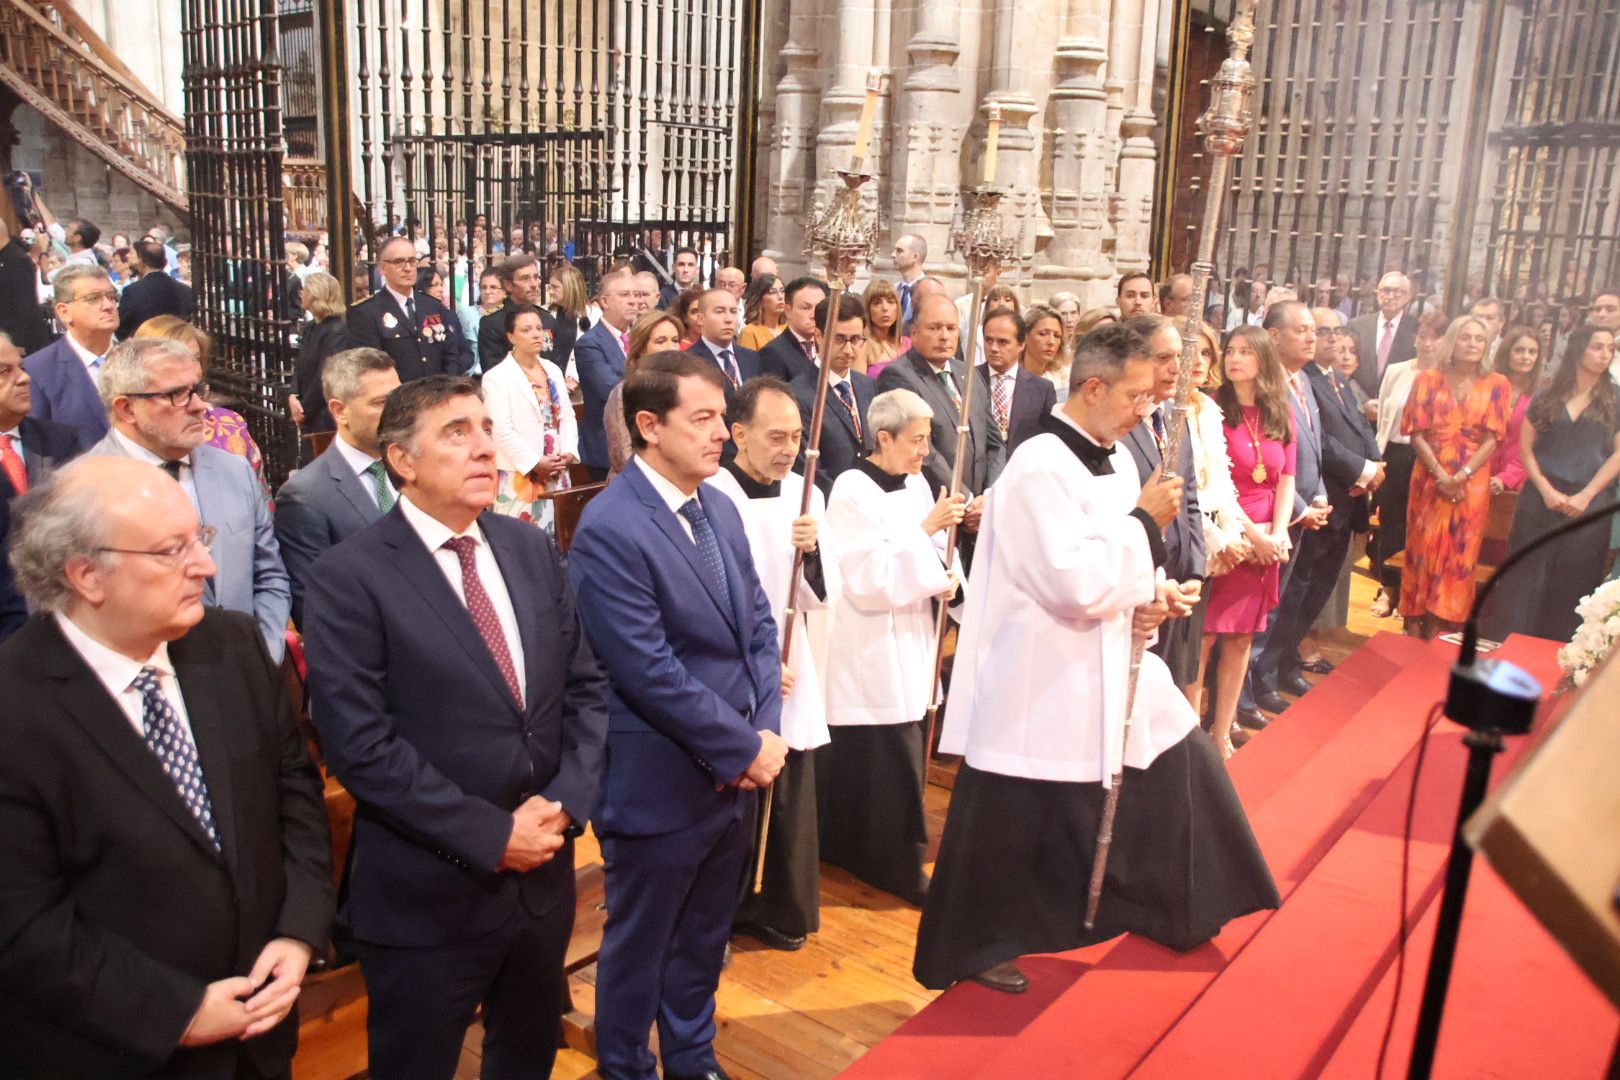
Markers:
point(672, 606)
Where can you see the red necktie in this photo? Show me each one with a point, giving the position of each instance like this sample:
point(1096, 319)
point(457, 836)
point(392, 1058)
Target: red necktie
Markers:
point(483, 611)
point(12, 463)
point(1300, 392)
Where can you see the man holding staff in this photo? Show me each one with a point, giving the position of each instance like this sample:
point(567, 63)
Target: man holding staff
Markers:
point(1069, 568)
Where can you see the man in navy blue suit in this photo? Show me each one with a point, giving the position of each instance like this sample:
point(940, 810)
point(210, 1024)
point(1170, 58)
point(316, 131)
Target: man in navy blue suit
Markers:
point(795, 352)
point(67, 372)
point(717, 343)
point(599, 357)
point(459, 703)
point(845, 435)
point(672, 605)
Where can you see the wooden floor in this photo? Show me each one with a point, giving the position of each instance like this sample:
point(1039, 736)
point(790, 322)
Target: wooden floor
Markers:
point(807, 1015)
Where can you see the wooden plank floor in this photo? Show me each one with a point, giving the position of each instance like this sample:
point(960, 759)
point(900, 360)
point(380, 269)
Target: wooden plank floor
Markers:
point(809, 1014)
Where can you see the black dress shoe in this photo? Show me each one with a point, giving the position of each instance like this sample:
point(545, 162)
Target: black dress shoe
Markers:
point(1294, 684)
point(1272, 702)
point(1320, 666)
point(770, 937)
point(1004, 977)
point(1253, 719)
point(1239, 737)
point(716, 1073)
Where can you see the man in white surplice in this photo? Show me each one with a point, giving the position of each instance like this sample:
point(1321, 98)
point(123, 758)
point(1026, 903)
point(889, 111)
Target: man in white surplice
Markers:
point(767, 428)
point(1066, 571)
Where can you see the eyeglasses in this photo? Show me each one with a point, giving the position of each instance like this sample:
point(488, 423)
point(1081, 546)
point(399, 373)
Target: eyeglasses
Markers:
point(408, 260)
point(108, 297)
point(840, 341)
point(179, 397)
point(176, 556)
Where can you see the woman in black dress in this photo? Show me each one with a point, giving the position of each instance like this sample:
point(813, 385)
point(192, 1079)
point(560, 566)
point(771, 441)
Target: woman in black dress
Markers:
point(1570, 444)
point(326, 333)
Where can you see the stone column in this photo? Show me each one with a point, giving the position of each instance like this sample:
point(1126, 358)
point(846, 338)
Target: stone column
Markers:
point(1135, 26)
point(1014, 68)
point(1081, 228)
point(851, 28)
point(928, 149)
point(793, 143)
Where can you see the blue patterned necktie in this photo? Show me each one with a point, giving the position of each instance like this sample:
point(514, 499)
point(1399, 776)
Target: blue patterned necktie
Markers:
point(708, 548)
point(166, 737)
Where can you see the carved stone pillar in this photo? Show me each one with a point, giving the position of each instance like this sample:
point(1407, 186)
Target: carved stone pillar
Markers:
point(793, 142)
point(1081, 228)
point(1018, 172)
point(1135, 26)
point(927, 154)
point(846, 95)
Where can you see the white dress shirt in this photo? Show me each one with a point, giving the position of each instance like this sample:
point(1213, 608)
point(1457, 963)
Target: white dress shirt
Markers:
point(117, 673)
point(673, 497)
point(433, 533)
point(141, 453)
point(92, 362)
point(360, 461)
point(400, 298)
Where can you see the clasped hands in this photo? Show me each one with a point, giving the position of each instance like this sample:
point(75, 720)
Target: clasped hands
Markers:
point(245, 1007)
point(1173, 600)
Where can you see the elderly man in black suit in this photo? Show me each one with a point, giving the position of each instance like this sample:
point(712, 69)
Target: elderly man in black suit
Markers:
point(1018, 397)
point(932, 370)
point(421, 334)
point(163, 837)
point(845, 435)
point(459, 703)
point(796, 350)
point(347, 487)
point(152, 294)
point(524, 288)
point(30, 449)
point(1386, 338)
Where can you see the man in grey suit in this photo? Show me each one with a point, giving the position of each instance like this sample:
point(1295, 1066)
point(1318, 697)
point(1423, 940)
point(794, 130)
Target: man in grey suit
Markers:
point(932, 370)
point(1386, 338)
point(347, 487)
point(154, 395)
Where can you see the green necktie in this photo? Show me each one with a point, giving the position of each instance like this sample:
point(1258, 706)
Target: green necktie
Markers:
point(379, 486)
point(950, 387)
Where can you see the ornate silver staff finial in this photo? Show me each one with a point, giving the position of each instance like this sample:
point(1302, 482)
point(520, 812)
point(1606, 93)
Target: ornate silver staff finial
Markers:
point(845, 235)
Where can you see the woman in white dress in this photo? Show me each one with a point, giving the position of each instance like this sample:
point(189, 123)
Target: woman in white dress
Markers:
point(886, 531)
point(536, 435)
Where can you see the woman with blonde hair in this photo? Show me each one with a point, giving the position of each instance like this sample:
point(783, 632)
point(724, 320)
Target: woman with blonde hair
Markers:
point(654, 332)
point(227, 430)
point(570, 304)
point(764, 310)
point(1046, 353)
point(326, 333)
point(885, 337)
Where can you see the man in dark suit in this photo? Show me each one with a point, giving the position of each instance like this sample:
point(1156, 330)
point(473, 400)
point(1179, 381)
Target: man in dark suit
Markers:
point(672, 604)
point(717, 343)
point(20, 316)
point(932, 370)
point(459, 703)
point(30, 450)
point(152, 294)
point(795, 351)
point(66, 373)
point(1180, 637)
point(845, 434)
point(1388, 337)
point(347, 487)
point(599, 357)
point(163, 926)
point(523, 288)
point(421, 334)
point(1293, 336)
point(1018, 397)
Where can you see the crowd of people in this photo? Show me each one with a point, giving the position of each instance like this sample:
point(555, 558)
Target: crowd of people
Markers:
point(484, 695)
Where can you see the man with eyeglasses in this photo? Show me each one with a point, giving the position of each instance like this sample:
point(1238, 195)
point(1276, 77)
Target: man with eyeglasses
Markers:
point(166, 855)
point(1388, 337)
point(845, 435)
point(65, 373)
point(414, 327)
point(522, 287)
point(154, 396)
point(30, 448)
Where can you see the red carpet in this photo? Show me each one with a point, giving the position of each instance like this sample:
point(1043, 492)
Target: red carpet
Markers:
point(1303, 991)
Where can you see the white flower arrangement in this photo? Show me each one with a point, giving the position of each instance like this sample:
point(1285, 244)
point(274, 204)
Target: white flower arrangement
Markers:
point(1598, 632)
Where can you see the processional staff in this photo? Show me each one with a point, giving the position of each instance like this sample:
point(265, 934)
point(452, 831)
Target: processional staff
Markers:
point(1226, 125)
point(844, 236)
point(981, 244)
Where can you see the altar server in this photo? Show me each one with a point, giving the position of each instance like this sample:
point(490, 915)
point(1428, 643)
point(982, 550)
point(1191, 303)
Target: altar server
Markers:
point(886, 530)
point(767, 428)
point(1070, 553)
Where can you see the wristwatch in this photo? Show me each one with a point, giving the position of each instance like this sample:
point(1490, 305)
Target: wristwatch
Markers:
point(1467, 472)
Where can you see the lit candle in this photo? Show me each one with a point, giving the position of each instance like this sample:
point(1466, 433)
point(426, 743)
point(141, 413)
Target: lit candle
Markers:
point(863, 135)
point(991, 139)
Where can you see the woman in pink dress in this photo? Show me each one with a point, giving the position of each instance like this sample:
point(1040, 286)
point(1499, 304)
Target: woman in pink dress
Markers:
point(1519, 358)
point(1253, 396)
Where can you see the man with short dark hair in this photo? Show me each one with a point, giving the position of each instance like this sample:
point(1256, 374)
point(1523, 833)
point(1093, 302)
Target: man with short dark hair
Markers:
point(1175, 296)
point(523, 286)
point(684, 269)
point(81, 237)
point(461, 706)
point(1018, 397)
point(599, 357)
point(413, 326)
point(347, 487)
point(845, 435)
point(167, 864)
point(154, 293)
point(672, 605)
point(795, 351)
point(1135, 296)
point(65, 373)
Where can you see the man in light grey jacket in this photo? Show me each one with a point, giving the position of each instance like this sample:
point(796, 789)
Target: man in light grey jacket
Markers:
point(154, 394)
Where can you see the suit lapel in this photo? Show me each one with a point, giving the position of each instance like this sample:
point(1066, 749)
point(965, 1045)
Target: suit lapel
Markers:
point(210, 729)
point(351, 488)
point(208, 493)
point(665, 520)
point(520, 585)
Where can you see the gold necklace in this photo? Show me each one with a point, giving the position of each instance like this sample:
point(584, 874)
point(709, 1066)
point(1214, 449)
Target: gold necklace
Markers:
point(1258, 474)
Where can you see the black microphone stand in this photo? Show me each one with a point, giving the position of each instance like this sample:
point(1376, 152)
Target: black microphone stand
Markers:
point(1491, 698)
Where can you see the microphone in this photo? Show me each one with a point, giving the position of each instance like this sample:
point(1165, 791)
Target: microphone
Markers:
point(1496, 695)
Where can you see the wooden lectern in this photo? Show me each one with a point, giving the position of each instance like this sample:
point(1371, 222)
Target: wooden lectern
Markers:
point(1552, 829)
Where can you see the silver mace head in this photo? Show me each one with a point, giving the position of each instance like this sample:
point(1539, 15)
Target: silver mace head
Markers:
point(979, 239)
point(846, 232)
point(1230, 116)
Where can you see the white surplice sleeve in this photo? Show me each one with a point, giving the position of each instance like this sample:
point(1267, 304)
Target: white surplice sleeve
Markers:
point(884, 559)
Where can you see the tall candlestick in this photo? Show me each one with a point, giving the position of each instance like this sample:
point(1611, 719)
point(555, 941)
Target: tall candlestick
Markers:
point(863, 134)
point(991, 139)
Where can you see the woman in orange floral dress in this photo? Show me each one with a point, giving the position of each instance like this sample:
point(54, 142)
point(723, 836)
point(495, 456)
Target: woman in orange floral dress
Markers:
point(1457, 415)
